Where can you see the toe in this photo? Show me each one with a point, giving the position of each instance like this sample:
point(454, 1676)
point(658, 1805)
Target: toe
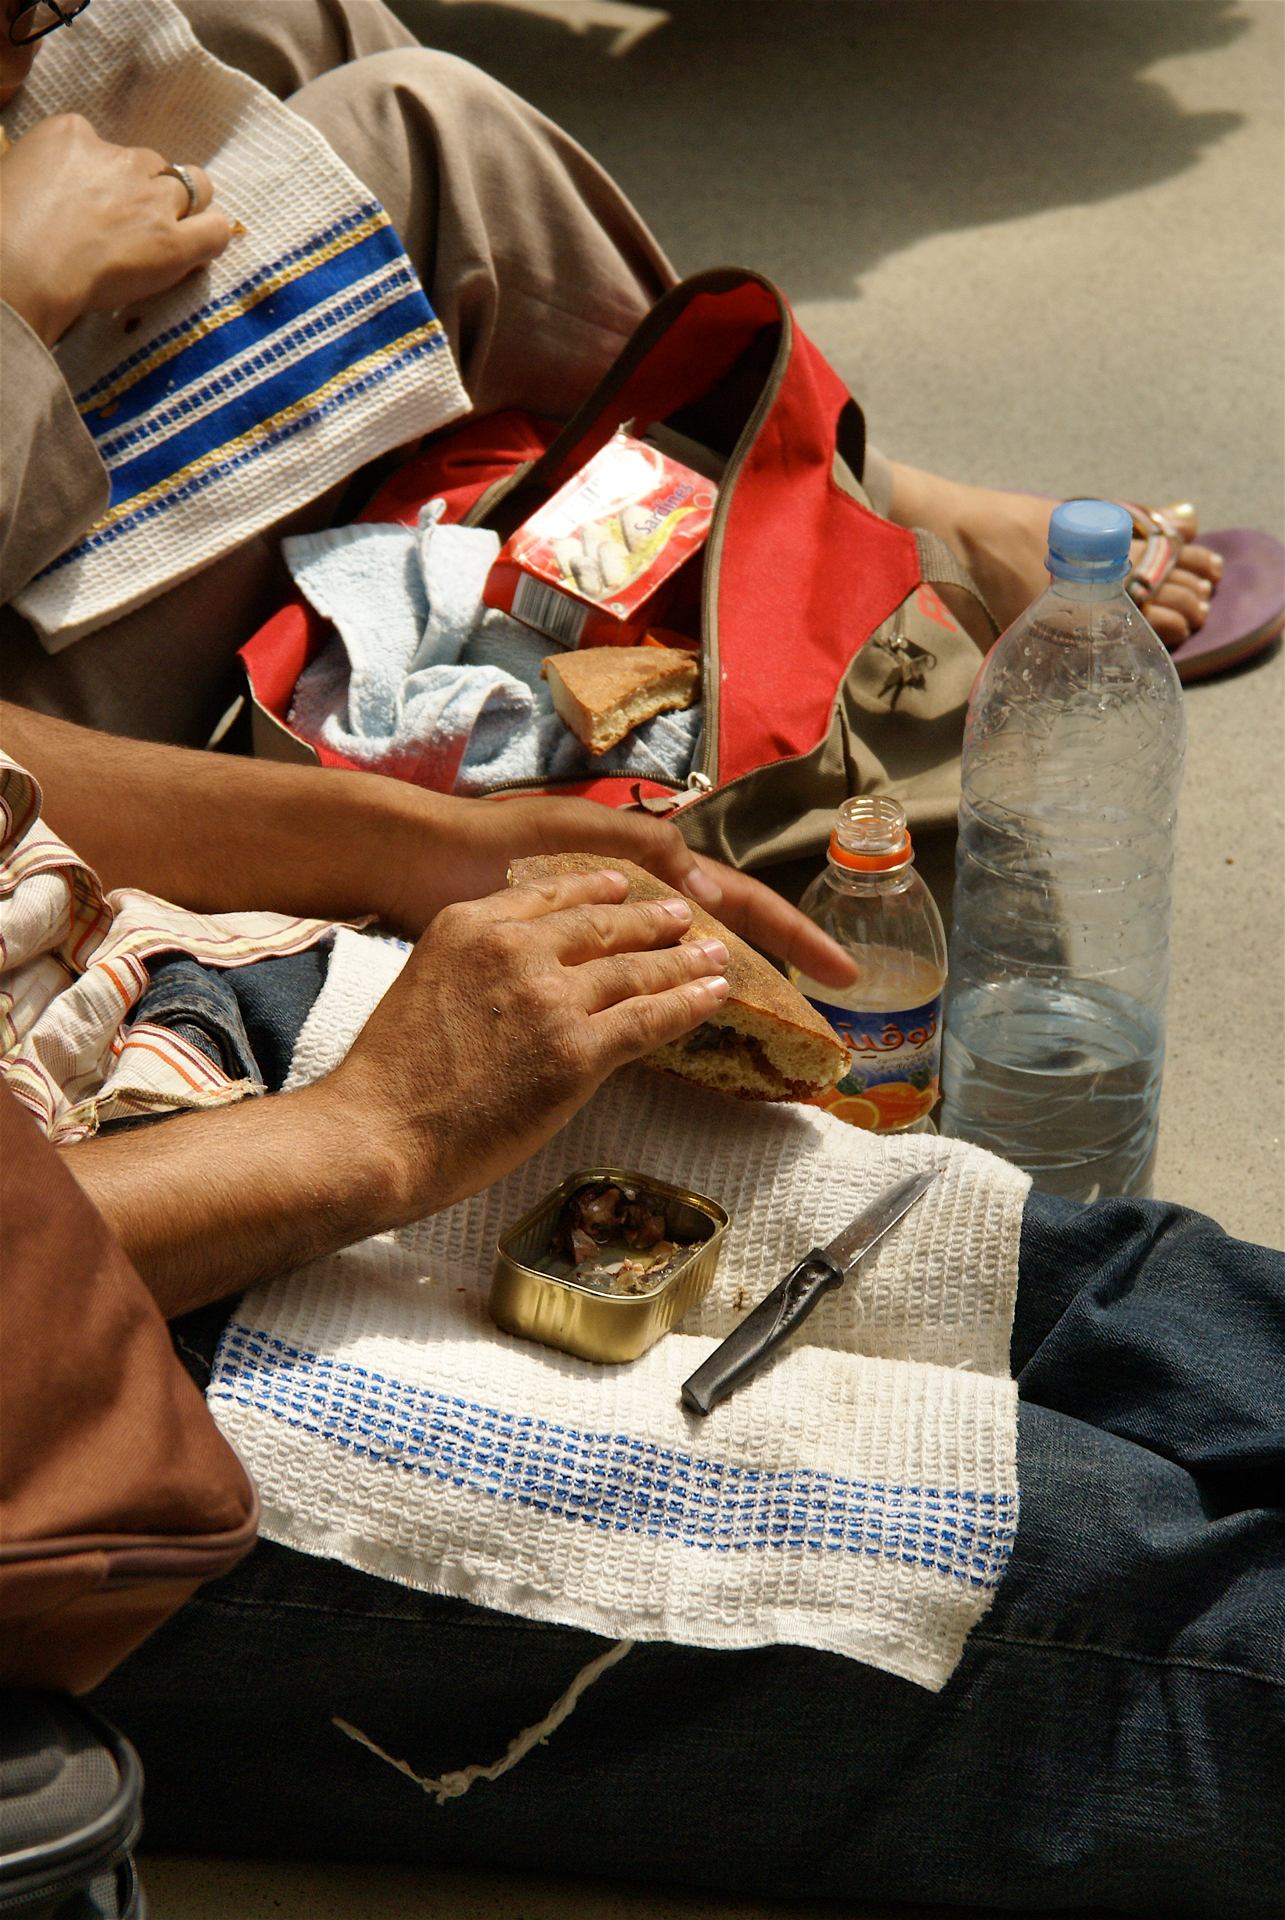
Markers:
point(1169, 624)
point(1201, 560)
point(1188, 605)
point(1194, 582)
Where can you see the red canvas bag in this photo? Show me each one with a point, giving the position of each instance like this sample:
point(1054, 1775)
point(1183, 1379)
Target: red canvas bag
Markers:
point(830, 665)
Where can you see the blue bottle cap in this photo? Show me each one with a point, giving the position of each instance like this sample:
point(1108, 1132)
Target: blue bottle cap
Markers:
point(1089, 540)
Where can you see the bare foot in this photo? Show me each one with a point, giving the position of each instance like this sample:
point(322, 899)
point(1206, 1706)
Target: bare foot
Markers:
point(1002, 539)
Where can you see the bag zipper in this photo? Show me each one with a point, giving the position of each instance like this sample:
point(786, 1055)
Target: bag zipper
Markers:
point(699, 783)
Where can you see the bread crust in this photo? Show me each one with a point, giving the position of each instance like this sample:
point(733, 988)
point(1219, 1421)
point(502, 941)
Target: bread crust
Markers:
point(754, 984)
point(603, 693)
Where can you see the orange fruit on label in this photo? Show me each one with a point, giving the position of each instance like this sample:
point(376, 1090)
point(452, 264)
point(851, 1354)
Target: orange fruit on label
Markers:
point(898, 1104)
point(856, 1111)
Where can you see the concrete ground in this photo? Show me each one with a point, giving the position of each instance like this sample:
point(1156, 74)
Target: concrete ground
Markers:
point(1042, 240)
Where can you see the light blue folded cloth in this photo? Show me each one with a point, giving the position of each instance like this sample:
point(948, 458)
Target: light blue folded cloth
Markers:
point(420, 680)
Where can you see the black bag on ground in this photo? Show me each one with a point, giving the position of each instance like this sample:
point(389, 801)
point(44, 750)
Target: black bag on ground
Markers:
point(71, 1792)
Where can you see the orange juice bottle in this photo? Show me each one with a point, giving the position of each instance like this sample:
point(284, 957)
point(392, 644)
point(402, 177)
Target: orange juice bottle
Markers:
point(870, 899)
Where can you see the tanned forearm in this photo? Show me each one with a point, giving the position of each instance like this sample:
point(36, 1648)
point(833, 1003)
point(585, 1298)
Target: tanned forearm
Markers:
point(508, 1014)
point(207, 1203)
point(215, 831)
point(224, 834)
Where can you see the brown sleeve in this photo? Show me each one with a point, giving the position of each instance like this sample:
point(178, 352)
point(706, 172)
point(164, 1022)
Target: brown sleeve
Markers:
point(284, 47)
point(52, 483)
point(119, 1493)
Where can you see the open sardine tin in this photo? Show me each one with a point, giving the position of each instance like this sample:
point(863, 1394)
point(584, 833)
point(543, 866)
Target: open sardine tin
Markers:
point(584, 1320)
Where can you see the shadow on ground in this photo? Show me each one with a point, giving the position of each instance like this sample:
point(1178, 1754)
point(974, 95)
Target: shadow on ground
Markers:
point(923, 116)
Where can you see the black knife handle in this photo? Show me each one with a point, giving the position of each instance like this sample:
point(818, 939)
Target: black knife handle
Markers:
point(762, 1330)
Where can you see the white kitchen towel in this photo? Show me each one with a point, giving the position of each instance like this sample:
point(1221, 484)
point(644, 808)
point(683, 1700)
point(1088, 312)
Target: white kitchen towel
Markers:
point(421, 680)
point(305, 351)
point(860, 1495)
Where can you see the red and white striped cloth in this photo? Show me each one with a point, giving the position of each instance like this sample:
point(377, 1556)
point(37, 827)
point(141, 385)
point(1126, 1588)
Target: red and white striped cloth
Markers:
point(73, 963)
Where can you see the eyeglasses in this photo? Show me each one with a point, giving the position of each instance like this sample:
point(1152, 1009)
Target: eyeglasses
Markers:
point(28, 21)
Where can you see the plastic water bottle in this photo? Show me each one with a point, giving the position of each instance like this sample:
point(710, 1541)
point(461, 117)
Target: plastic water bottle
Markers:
point(1059, 955)
point(870, 899)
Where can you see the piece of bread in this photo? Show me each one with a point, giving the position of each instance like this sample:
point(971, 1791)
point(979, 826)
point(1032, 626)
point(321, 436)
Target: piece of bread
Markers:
point(603, 693)
point(765, 1042)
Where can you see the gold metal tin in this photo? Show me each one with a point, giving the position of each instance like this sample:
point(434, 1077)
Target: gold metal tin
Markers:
point(580, 1320)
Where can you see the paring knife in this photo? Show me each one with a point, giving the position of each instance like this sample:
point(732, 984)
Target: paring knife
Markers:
point(790, 1302)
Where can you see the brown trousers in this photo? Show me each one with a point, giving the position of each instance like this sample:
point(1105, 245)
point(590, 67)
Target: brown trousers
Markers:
point(536, 264)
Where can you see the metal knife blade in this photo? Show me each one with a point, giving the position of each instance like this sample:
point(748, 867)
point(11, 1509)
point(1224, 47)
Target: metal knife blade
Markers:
point(792, 1299)
point(873, 1221)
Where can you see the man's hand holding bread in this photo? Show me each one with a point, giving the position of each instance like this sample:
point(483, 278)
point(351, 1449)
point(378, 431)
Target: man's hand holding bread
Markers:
point(513, 1009)
point(510, 1013)
point(430, 849)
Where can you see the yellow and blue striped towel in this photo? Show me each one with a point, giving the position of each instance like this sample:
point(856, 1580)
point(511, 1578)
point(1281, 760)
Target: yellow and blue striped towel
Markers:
point(307, 350)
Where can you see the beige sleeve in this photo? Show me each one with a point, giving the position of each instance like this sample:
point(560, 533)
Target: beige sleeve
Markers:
point(52, 483)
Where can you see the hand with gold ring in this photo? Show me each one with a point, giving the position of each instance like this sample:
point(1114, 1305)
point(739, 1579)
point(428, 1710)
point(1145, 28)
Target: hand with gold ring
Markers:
point(87, 227)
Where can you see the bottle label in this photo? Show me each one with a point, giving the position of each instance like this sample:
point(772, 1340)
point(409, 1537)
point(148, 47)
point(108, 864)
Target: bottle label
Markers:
point(892, 1078)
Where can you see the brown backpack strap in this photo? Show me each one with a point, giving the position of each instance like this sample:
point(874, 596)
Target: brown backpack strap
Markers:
point(941, 567)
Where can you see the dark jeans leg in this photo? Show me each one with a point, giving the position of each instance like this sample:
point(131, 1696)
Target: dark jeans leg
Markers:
point(1148, 1321)
point(1114, 1735)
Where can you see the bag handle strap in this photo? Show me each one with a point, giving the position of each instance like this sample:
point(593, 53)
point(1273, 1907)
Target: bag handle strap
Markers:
point(691, 337)
point(941, 567)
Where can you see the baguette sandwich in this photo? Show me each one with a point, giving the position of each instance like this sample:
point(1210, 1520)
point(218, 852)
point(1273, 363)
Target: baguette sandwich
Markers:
point(603, 693)
point(764, 1043)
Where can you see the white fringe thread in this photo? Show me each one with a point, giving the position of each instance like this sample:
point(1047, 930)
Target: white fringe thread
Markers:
point(451, 1785)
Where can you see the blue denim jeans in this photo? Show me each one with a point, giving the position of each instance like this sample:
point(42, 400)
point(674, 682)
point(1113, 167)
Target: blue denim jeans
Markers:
point(1113, 1737)
point(245, 1019)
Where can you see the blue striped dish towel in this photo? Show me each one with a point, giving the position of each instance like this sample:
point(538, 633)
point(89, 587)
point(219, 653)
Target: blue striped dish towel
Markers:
point(860, 1495)
point(305, 351)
